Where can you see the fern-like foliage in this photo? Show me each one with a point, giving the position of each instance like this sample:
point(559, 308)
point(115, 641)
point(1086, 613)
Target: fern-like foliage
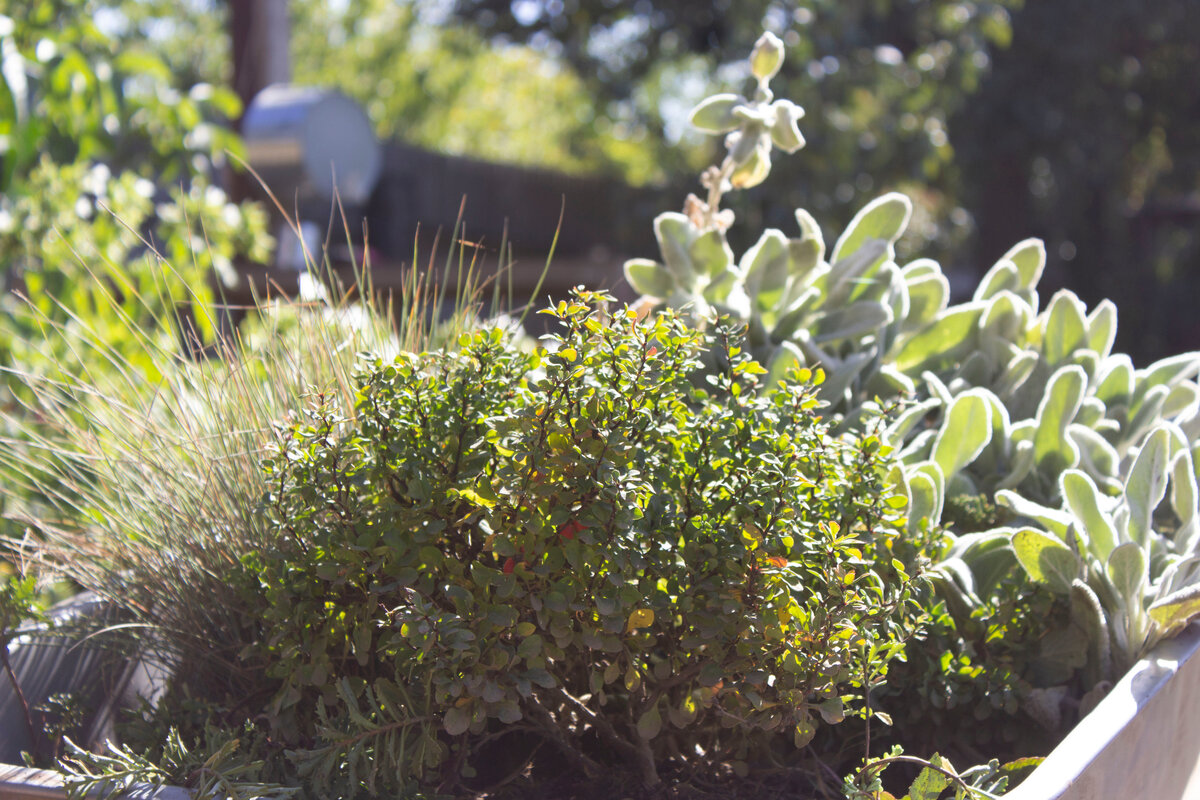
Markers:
point(217, 770)
point(374, 730)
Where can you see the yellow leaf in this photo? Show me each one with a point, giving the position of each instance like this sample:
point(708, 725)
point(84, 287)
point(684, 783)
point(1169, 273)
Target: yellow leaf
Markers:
point(640, 618)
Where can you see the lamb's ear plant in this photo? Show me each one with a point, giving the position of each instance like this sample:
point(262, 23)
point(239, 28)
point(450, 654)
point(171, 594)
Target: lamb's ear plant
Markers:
point(1016, 410)
point(1128, 563)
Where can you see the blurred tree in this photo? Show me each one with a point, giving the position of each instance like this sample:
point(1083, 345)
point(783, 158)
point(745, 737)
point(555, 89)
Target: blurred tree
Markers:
point(72, 90)
point(1074, 121)
point(449, 89)
point(188, 36)
point(101, 152)
point(105, 153)
point(878, 78)
point(1087, 134)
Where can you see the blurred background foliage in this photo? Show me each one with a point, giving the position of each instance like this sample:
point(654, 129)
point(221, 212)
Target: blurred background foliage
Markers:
point(110, 158)
point(1070, 120)
point(110, 152)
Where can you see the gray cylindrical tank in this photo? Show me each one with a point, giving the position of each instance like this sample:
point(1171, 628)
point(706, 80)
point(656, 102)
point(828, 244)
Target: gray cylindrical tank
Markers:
point(306, 142)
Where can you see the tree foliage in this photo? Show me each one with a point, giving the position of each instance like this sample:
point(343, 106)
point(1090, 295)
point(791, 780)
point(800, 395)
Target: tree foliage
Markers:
point(878, 81)
point(1086, 134)
point(449, 89)
point(107, 159)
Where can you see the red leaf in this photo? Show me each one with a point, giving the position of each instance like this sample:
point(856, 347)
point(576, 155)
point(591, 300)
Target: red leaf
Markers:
point(569, 529)
point(509, 565)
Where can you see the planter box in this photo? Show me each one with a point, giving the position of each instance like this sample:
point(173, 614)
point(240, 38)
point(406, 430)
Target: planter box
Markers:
point(102, 679)
point(1142, 740)
point(22, 783)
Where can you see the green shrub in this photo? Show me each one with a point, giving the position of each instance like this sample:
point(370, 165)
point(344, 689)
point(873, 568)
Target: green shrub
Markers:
point(576, 543)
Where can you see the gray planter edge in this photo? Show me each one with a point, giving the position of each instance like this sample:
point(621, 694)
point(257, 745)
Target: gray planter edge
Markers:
point(1141, 740)
point(25, 783)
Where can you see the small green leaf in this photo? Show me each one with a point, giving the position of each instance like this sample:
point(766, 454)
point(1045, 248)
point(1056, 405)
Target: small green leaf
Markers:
point(1127, 568)
point(457, 719)
point(1002, 277)
point(1029, 257)
point(649, 278)
point(847, 322)
point(1065, 327)
point(476, 498)
point(925, 498)
point(1007, 318)
point(951, 335)
point(927, 297)
point(1147, 484)
point(884, 218)
point(1185, 491)
point(650, 724)
point(1169, 371)
point(1176, 609)
point(805, 730)
point(930, 783)
point(755, 169)
point(832, 711)
point(785, 133)
point(765, 268)
point(640, 618)
point(1096, 456)
point(675, 233)
point(1053, 519)
point(767, 57)
point(1052, 450)
point(1116, 380)
point(1083, 499)
point(1102, 328)
point(1046, 559)
point(852, 275)
point(715, 114)
point(710, 253)
point(965, 431)
point(810, 231)
point(685, 714)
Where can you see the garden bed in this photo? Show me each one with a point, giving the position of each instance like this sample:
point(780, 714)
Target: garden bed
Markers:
point(1142, 740)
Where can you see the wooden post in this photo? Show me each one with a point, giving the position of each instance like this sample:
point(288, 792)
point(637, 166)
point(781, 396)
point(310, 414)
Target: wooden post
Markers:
point(259, 32)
